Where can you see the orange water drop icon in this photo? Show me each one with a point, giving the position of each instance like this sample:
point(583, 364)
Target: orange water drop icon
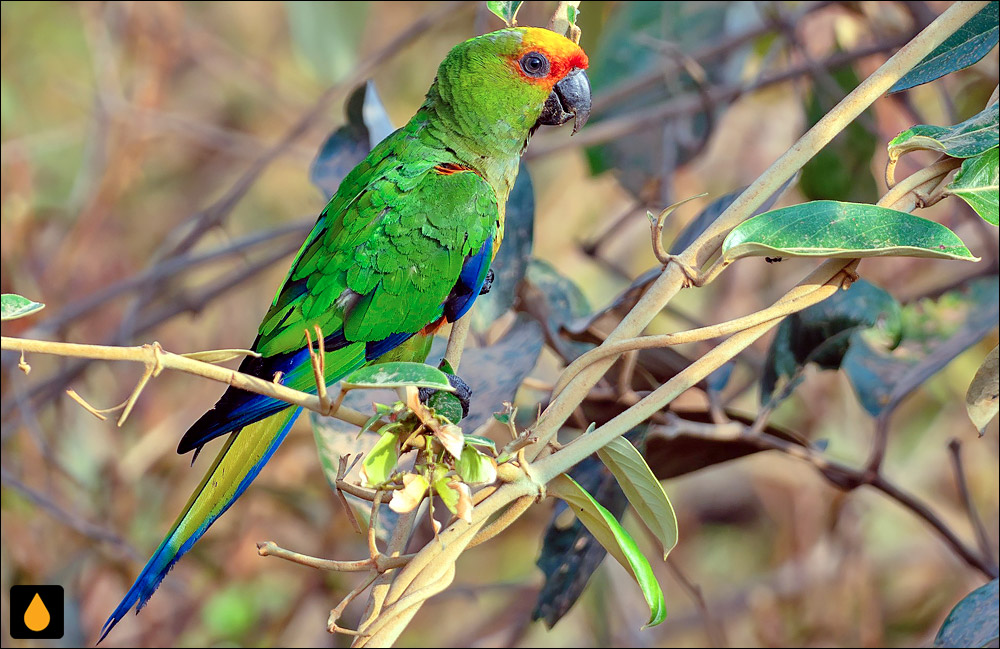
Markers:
point(36, 617)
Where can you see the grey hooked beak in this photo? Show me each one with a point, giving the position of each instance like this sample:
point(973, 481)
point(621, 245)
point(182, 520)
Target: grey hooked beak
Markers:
point(570, 98)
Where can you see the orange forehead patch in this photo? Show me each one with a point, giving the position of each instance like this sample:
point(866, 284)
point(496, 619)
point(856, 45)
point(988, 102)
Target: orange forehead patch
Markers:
point(563, 54)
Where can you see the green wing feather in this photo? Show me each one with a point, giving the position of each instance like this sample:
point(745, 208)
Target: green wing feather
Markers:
point(396, 235)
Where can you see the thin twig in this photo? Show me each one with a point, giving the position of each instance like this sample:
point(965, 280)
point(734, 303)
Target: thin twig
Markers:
point(154, 357)
point(982, 538)
point(379, 562)
point(714, 629)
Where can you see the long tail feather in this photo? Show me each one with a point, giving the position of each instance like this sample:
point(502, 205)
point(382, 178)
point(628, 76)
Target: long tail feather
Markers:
point(238, 463)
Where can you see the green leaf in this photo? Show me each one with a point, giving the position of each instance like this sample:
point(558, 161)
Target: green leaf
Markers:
point(821, 334)
point(627, 73)
point(570, 554)
point(610, 534)
point(446, 405)
point(448, 495)
point(477, 440)
point(220, 355)
point(843, 230)
point(933, 333)
point(397, 375)
point(475, 467)
point(381, 461)
point(328, 35)
point(974, 621)
point(506, 11)
point(972, 137)
point(572, 14)
point(983, 397)
point(643, 490)
point(976, 184)
point(13, 306)
point(971, 42)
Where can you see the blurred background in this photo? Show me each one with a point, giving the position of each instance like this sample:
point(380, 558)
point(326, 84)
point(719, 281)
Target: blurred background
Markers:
point(155, 183)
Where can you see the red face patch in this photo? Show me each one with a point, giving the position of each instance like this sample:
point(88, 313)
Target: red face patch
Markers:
point(561, 55)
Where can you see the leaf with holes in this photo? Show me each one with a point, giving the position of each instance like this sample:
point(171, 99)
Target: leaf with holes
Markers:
point(842, 230)
point(609, 533)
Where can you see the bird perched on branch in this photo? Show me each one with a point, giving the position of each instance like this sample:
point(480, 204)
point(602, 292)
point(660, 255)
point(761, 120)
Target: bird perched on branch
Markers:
point(404, 246)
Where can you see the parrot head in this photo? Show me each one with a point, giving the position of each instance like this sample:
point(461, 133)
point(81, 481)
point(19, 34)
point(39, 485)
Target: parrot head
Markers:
point(507, 83)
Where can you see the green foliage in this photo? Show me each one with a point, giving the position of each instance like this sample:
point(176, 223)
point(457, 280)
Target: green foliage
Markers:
point(643, 490)
point(974, 622)
point(380, 463)
point(636, 43)
point(13, 306)
point(970, 43)
point(976, 183)
point(446, 405)
point(613, 537)
point(231, 612)
point(972, 137)
point(327, 35)
point(822, 334)
point(397, 375)
point(842, 230)
point(473, 466)
point(505, 11)
point(933, 333)
point(885, 349)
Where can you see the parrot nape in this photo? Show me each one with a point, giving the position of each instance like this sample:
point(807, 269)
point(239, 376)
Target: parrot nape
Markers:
point(402, 247)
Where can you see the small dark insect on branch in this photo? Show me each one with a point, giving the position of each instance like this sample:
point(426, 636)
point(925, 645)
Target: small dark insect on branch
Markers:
point(773, 260)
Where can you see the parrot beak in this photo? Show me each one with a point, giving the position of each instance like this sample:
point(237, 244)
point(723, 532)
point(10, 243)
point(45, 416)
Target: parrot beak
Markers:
point(570, 99)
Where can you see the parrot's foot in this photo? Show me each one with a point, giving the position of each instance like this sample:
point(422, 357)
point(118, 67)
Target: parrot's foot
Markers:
point(488, 284)
point(437, 399)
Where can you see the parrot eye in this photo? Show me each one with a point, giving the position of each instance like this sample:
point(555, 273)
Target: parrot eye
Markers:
point(535, 64)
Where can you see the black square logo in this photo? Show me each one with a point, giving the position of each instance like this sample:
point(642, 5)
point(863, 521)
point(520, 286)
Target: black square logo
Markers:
point(36, 612)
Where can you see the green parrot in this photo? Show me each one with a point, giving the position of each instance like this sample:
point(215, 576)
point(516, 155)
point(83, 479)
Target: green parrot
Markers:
point(404, 246)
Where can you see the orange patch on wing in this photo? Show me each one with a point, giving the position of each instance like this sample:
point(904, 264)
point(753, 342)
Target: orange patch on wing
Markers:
point(449, 168)
point(432, 328)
